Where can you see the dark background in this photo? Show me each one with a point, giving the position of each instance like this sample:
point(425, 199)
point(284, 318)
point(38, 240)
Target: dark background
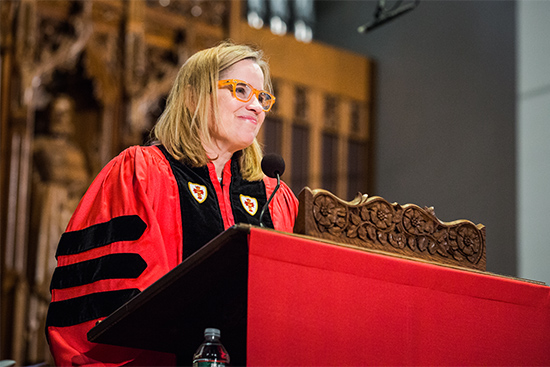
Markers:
point(444, 109)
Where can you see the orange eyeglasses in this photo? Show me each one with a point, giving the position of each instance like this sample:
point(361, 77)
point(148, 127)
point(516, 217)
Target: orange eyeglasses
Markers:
point(243, 92)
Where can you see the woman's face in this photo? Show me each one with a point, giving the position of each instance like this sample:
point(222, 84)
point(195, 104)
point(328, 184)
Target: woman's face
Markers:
point(239, 122)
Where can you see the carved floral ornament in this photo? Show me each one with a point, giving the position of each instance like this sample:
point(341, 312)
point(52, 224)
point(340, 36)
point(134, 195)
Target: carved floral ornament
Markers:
point(395, 228)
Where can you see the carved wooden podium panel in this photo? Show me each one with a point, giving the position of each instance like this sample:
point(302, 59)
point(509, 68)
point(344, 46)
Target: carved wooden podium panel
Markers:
point(406, 230)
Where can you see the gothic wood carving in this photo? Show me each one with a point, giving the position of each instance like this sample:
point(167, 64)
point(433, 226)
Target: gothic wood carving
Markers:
point(45, 44)
point(405, 230)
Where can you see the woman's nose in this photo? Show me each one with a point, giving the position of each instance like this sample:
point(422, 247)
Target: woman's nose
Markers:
point(255, 105)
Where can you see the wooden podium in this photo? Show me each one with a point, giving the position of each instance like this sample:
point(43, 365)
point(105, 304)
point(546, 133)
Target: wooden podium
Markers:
point(288, 300)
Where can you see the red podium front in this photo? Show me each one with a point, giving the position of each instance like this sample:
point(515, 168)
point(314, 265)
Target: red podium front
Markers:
point(318, 304)
point(301, 302)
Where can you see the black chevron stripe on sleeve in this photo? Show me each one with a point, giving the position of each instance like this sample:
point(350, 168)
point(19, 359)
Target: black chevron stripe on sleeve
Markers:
point(112, 266)
point(123, 228)
point(89, 307)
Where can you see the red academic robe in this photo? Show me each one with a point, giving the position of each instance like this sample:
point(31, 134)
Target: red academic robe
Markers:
point(128, 231)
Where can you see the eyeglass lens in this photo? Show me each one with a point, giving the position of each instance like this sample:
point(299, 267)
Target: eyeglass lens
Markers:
point(243, 92)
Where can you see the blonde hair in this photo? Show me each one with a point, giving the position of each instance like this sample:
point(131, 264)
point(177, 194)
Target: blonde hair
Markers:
point(183, 126)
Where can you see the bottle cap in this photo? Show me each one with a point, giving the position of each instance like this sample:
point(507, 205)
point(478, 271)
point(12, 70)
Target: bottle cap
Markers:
point(212, 332)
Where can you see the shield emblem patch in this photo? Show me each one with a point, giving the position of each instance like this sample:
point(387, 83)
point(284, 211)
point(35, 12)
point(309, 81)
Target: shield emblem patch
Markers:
point(250, 204)
point(198, 191)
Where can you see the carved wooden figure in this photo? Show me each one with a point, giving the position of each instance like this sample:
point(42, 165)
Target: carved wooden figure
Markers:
point(60, 177)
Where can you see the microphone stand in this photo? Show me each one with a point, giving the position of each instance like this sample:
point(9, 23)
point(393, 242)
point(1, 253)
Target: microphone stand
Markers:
point(269, 200)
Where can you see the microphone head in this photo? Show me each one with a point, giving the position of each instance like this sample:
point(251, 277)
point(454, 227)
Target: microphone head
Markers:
point(273, 164)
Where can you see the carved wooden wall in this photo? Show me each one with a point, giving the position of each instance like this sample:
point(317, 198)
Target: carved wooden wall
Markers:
point(102, 69)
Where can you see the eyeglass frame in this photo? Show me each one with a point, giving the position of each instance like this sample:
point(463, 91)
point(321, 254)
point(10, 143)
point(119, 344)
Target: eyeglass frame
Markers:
point(256, 92)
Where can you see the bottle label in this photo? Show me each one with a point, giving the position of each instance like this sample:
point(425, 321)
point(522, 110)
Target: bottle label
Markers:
point(208, 364)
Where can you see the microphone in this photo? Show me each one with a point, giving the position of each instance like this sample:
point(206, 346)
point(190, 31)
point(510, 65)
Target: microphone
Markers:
point(273, 165)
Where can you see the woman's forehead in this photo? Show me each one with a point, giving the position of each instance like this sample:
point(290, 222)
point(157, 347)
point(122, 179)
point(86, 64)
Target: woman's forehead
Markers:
point(247, 70)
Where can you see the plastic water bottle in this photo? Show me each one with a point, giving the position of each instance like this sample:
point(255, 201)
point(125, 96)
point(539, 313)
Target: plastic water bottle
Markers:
point(211, 353)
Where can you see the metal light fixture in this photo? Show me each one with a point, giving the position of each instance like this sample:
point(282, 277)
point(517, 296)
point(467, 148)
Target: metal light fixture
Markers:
point(384, 14)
